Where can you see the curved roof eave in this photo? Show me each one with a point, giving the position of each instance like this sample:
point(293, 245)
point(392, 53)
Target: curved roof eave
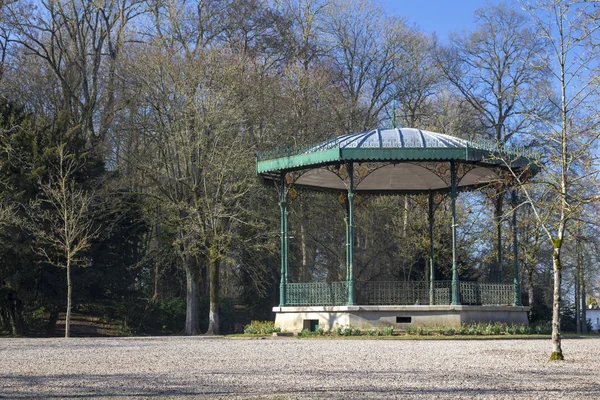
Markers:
point(338, 155)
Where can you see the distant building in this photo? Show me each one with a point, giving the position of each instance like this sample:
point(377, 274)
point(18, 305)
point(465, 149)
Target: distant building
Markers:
point(593, 315)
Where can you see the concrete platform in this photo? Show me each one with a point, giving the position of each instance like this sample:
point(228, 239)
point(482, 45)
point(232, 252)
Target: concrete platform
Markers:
point(296, 319)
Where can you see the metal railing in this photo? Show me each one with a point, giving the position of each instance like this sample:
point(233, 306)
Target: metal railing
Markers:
point(316, 294)
point(478, 293)
point(398, 293)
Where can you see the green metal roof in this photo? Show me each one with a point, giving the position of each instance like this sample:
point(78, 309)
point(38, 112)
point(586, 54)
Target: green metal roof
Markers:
point(387, 145)
point(391, 145)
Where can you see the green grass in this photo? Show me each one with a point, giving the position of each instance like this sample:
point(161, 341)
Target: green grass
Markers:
point(429, 337)
point(471, 331)
point(247, 336)
point(401, 337)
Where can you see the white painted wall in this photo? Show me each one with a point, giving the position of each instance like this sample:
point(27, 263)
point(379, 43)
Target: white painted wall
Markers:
point(593, 315)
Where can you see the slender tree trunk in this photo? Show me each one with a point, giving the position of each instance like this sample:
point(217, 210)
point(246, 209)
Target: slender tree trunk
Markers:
point(3, 319)
point(69, 287)
point(582, 298)
point(213, 314)
point(530, 293)
point(192, 318)
point(577, 285)
point(304, 251)
point(156, 263)
point(556, 344)
point(498, 220)
point(14, 315)
point(577, 303)
point(405, 217)
point(12, 320)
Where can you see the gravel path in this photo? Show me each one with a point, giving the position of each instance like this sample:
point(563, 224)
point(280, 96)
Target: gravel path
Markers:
point(290, 368)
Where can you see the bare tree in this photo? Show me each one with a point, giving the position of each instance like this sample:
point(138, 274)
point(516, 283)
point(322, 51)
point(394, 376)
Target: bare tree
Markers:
point(80, 42)
point(365, 50)
point(494, 69)
point(196, 146)
point(65, 223)
point(417, 81)
point(570, 132)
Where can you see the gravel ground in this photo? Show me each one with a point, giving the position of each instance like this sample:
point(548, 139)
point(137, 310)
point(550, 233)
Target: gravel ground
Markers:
point(290, 368)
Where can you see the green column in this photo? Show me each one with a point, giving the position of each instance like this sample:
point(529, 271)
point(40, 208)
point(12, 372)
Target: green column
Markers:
point(350, 247)
point(346, 248)
point(431, 273)
point(499, 249)
point(516, 281)
point(284, 242)
point(453, 195)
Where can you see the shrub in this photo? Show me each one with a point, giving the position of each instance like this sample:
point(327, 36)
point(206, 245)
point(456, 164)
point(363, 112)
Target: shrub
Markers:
point(306, 333)
point(541, 328)
point(479, 329)
point(261, 328)
point(389, 331)
point(489, 329)
point(524, 329)
point(171, 314)
point(497, 328)
point(123, 329)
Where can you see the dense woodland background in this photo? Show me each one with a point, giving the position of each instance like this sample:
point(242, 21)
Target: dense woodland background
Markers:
point(129, 129)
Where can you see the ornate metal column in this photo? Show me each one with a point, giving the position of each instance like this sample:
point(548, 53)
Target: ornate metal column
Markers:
point(431, 269)
point(499, 248)
point(347, 225)
point(453, 195)
point(350, 244)
point(284, 240)
point(516, 281)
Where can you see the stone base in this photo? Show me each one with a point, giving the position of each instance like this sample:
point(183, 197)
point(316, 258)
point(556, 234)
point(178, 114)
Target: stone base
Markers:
point(296, 319)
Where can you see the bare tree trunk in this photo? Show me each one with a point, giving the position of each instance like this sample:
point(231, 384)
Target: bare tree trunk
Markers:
point(69, 288)
point(213, 314)
point(582, 298)
point(304, 251)
point(577, 285)
point(405, 217)
point(498, 220)
point(14, 315)
point(3, 319)
point(530, 293)
point(577, 303)
point(192, 321)
point(556, 346)
point(156, 263)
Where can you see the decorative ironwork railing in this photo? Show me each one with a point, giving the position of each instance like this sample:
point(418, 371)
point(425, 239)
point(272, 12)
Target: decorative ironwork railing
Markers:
point(398, 293)
point(403, 293)
point(477, 293)
point(316, 294)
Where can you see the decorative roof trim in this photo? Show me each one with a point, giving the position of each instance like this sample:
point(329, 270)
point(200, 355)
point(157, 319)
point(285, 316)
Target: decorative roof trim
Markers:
point(339, 155)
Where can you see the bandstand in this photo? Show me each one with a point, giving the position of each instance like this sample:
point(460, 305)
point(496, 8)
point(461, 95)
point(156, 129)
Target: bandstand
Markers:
point(394, 161)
